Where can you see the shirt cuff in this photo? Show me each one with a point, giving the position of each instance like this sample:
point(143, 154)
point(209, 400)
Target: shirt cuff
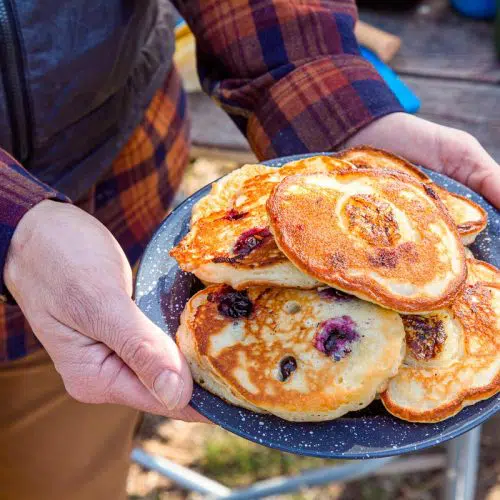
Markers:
point(19, 191)
point(318, 106)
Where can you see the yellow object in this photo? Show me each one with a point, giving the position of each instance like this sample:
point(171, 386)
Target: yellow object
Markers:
point(185, 58)
point(384, 44)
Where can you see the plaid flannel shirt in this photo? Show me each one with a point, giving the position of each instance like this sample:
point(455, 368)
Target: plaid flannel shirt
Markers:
point(288, 72)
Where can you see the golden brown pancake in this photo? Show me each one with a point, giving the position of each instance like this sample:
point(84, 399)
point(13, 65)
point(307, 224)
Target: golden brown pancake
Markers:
point(468, 216)
point(468, 253)
point(453, 357)
point(230, 242)
point(301, 355)
point(223, 190)
point(368, 157)
point(482, 271)
point(373, 233)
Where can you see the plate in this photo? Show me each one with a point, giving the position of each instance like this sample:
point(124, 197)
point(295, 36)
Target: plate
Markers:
point(162, 291)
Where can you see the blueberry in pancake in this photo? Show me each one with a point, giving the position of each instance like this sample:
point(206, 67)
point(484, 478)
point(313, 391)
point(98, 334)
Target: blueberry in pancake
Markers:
point(303, 355)
point(230, 241)
point(453, 356)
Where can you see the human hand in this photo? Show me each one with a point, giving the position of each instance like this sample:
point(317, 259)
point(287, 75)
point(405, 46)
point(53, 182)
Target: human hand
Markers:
point(74, 285)
point(443, 149)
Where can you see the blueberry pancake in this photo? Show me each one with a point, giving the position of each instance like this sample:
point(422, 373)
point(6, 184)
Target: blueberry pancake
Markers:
point(222, 191)
point(230, 242)
point(377, 234)
point(453, 356)
point(303, 355)
point(468, 216)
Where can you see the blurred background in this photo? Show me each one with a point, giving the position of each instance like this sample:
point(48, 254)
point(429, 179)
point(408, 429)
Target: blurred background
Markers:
point(441, 58)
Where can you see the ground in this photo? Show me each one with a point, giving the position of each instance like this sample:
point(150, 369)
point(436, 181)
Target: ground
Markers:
point(236, 462)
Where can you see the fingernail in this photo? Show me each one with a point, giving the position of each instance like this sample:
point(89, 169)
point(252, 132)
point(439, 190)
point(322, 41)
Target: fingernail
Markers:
point(168, 388)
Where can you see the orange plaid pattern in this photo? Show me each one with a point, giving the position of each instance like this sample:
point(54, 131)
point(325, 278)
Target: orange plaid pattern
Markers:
point(131, 200)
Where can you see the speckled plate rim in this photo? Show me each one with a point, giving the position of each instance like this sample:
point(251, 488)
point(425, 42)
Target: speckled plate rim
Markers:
point(267, 429)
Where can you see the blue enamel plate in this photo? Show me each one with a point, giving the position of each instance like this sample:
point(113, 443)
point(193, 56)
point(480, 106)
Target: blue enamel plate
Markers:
point(162, 291)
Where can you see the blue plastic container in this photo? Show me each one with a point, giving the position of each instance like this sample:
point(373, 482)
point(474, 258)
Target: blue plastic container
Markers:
point(478, 9)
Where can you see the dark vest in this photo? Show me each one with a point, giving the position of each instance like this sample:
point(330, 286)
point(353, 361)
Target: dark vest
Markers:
point(76, 76)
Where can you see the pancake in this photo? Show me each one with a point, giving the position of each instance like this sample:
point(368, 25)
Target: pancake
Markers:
point(468, 216)
point(479, 270)
point(302, 355)
point(433, 340)
point(373, 233)
point(253, 193)
point(224, 189)
point(455, 363)
point(368, 157)
point(468, 253)
point(230, 242)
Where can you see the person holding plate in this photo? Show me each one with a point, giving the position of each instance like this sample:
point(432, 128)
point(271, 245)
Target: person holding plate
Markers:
point(94, 141)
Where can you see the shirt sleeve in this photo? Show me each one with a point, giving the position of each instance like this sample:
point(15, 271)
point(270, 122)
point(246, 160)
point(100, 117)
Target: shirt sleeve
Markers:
point(288, 72)
point(19, 191)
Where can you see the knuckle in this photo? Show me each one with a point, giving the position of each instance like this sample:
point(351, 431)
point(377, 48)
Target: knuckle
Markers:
point(137, 353)
point(466, 141)
point(462, 135)
point(458, 149)
point(483, 181)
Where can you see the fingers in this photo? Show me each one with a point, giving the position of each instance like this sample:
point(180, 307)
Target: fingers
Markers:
point(125, 388)
point(463, 158)
point(188, 414)
point(93, 373)
point(75, 292)
point(450, 151)
point(151, 354)
point(112, 318)
point(402, 134)
point(488, 184)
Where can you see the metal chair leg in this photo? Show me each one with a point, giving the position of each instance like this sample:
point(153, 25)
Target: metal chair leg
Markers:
point(461, 472)
point(211, 489)
point(355, 469)
point(183, 476)
point(462, 464)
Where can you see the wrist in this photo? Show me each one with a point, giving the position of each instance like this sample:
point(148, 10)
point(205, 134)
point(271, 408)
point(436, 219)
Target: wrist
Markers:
point(381, 132)
point(24, 233)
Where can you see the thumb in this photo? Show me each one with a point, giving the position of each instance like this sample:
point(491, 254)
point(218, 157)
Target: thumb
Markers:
point(463, 158)
point(154, 357)
point(147, 350)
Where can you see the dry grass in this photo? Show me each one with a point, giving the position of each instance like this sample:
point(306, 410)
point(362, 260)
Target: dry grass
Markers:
point(236, 462)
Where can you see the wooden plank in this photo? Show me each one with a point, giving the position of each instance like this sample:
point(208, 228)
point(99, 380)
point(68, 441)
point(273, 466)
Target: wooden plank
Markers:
point(211, 127)
point(439, 42)
point(472, 107)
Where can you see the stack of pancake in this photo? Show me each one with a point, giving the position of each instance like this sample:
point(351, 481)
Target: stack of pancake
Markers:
point(335, 280)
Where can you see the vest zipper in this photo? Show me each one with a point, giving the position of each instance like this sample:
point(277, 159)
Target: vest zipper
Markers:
point(14, 83)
